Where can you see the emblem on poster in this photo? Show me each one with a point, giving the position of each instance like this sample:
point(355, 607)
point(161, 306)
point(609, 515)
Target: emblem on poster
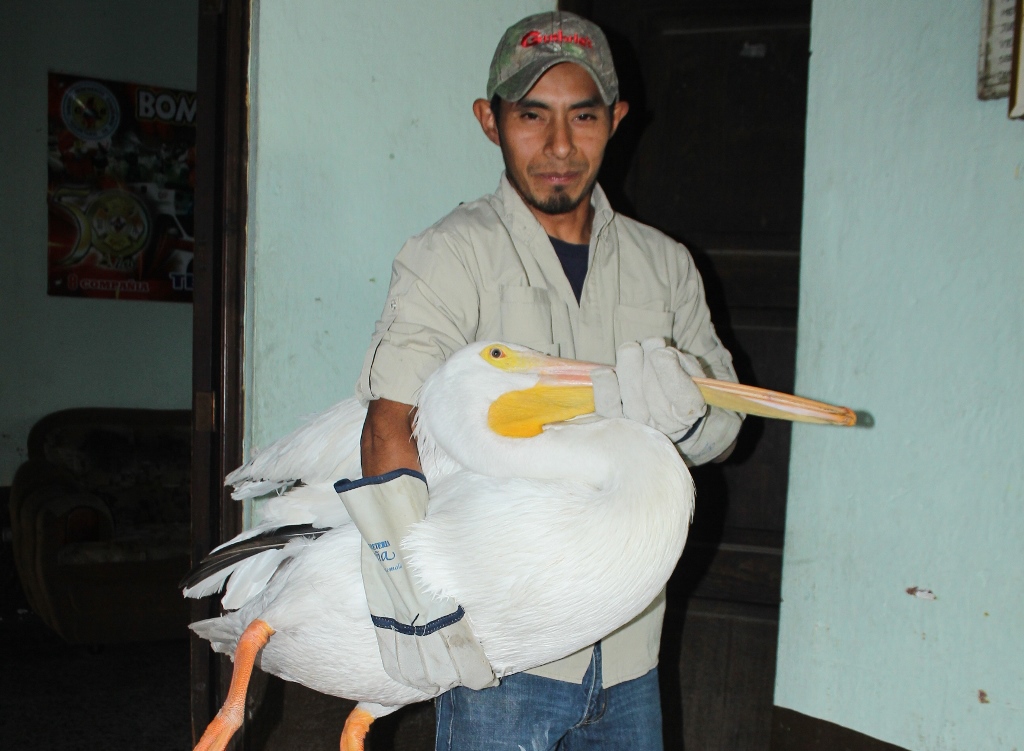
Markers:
point(121, 190)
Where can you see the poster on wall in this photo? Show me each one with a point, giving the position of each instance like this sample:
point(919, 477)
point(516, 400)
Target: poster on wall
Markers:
point(121, 189)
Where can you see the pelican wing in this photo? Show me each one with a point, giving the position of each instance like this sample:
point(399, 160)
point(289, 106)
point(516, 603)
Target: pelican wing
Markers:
point(246, 565)
point(323, 450)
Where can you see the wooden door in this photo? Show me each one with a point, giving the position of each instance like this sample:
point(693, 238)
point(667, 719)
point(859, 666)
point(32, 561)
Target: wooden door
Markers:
point(218, 281)
point(712, 154)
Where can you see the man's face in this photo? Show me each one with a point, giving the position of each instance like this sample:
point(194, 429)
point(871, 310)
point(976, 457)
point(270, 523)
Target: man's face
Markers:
point(553, 139)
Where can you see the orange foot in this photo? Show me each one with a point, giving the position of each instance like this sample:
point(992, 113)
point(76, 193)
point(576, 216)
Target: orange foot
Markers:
point(357, 725)
point(219, 732)
point(229, 718)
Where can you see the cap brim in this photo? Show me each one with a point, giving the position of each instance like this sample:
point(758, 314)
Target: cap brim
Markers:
point(519, 85)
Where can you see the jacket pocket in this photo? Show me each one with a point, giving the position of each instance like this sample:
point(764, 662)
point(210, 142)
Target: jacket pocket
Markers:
point(526, 318)
point(637, 324)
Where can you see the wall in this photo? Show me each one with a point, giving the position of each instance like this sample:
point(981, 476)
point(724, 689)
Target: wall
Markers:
point(62, 352)
point(912, 271)
point(363, 135)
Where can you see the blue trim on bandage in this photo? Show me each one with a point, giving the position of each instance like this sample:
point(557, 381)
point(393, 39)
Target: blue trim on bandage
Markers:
point(390, 624)
point(344, 485)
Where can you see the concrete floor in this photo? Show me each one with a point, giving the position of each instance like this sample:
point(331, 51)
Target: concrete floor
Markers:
point(291, 716)
point(57, 696)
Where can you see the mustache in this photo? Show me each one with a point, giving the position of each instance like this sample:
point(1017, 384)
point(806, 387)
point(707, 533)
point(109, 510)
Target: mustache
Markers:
point(560, 168)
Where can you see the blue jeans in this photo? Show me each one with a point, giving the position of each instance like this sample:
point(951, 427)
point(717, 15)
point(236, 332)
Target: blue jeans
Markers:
point(531, 713)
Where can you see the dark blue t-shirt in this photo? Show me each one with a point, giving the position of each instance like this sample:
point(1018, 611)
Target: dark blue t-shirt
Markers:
point(574, 262)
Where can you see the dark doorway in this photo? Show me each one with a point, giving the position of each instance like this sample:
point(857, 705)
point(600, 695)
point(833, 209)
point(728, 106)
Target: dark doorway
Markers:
point(712, 154)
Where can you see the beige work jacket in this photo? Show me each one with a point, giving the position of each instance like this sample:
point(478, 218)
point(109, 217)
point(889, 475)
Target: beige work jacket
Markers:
point(488, 271)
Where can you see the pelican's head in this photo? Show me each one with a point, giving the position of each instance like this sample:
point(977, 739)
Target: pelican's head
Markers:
point(557, 390)
point(489, 393)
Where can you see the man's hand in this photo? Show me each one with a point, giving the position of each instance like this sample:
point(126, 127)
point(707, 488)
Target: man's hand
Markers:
point(652, 384)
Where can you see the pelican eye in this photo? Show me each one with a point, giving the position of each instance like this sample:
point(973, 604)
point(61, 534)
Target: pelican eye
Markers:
point(497, 352)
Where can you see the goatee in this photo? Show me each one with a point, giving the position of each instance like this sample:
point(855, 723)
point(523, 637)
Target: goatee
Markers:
point(559, 202)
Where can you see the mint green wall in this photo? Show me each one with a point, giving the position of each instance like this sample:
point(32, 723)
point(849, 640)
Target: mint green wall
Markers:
point(911, 286)
point(62, 352)
point(362, 136)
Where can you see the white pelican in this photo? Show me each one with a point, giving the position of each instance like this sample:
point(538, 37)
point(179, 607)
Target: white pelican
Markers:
point(551, 532)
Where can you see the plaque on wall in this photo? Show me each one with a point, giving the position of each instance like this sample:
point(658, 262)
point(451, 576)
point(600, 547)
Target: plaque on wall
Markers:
point(121, 181)
point(995, 52)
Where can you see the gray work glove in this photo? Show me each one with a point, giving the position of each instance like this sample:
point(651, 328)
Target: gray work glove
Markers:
point(652, 384)
point(424, 641)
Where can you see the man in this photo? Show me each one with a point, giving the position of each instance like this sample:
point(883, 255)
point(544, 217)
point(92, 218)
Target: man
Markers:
point(545, 262)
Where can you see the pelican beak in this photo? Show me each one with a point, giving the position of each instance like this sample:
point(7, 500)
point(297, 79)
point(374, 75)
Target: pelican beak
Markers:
point(751, 400)
point(563, 391)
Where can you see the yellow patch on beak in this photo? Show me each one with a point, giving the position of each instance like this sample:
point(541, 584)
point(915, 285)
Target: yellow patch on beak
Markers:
point(523, 414)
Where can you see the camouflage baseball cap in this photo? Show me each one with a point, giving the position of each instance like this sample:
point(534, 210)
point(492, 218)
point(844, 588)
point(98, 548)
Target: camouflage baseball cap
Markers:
point(531, 46)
